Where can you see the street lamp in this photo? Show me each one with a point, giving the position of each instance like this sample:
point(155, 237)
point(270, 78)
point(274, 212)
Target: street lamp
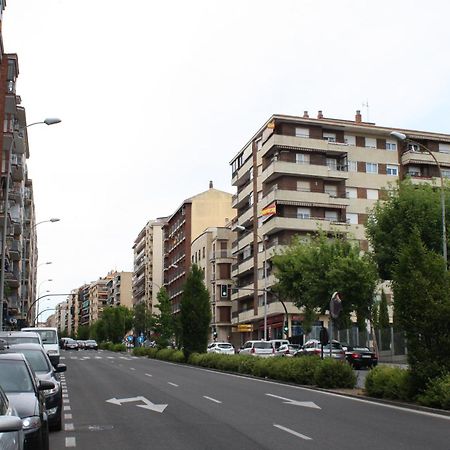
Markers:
point(241, 228)
point(43, 264)
point(404, 138)
point(48, 121)
point(39, 293)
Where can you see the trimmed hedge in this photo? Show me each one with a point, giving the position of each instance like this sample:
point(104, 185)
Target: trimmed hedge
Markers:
point(389, 382)
point(437, 393)
point(331, 373)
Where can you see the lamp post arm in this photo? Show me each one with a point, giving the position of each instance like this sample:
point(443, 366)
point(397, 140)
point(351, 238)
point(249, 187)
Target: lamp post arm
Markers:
point(42, 296)
point(43, 311)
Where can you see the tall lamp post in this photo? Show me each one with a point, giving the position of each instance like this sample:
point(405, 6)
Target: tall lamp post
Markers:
point(241, 228)
point(404, 138)
point(48, 121)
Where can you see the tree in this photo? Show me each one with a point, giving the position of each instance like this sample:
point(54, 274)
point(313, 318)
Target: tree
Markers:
point(142, 319)
point(83, 332)
point(113, 325)
point(195, 313)
point(162, 322)
point(392, 222)
point(383, 319)
point(309, 272)
point(421, 287)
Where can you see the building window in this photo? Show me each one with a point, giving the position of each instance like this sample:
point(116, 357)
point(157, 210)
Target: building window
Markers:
point(302, 132)
point(371, 142)
point(331, 215)
point(349, 139)
point(391, 145)
point(351, 192)
point(303, 213)
point(332, 163)
point(203, 251)
point(331, 190)
point(352, 166)
point(371, 167)
point(391, 170)
point(330, 137)
point(301, 158)
point(444, 148)
point(413, 171)
point(352, 218)
point(303, 186)
point(413, 148)
point(446, 173)
point(372, 194)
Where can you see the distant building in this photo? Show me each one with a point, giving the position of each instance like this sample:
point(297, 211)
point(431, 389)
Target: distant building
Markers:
point(119, 288)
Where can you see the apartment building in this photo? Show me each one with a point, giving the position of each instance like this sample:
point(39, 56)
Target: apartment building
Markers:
point(211, 208)
point(211, 251)
point(119, 289)
point(98, 298)
point(298, 175)
point(61, 312)
point(148, 264)
point(84, 302)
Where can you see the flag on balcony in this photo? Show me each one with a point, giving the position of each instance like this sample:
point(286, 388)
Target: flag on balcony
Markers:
point(269, 210)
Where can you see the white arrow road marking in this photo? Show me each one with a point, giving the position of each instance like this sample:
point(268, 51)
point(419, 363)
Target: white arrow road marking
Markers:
point(212, 399)
point(307, 438)
point(172, 384)
point(148, 404)
point(289, 401)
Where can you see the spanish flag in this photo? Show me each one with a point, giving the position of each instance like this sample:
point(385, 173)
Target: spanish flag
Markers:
point(269, 210)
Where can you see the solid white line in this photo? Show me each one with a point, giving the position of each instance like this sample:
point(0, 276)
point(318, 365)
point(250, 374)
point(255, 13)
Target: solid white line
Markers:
point(69, 427)
point(148, 375)
point(172, 384)
point(212, 399)
point(67, 416)
point(71, 442)
point(307, 438)
point(132, 368)
point(66, 408)
point(62, 357)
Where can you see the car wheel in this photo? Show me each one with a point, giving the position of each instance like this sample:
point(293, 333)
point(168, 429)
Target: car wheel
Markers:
point(57, 426)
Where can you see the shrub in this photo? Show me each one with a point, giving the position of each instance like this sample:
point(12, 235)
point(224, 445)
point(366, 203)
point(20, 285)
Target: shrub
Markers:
point(437, 393)
point(246, 364)
point(118, 348)
point(303, 369)
point(164, 354)
point(334, 374)
point(389, 382)
point(177, 356)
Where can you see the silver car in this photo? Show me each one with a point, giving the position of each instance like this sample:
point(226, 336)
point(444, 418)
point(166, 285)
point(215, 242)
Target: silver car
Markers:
point(223, 348)
point(258, 348)
point(313, 347)
point(11, 434)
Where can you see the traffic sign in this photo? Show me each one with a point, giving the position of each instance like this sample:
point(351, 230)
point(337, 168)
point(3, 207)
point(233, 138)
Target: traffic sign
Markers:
point(245, 327)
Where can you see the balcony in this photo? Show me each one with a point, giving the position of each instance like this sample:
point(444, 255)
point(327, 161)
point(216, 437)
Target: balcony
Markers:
point(297, 143)
point(241, 243)
point(243, 267)
point(316, 198)
point(241, 197)
point(15, 249)
point(12, 279)
point(276, 224)
point(242, 175)
point(425, 158)
point(222, 256)
point(280, 168)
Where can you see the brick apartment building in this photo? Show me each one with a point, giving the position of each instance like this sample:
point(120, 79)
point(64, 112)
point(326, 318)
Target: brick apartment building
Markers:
point(311, 174)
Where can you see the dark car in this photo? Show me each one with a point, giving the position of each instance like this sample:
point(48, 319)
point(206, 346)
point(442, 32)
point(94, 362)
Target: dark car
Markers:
point(11, 433)
point(361, 357)
point(25, 392)
point(90, 345)
point(71, 344)
point(40, 363)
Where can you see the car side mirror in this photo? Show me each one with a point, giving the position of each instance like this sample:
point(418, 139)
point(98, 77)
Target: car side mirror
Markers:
point(60, 368)
point(10, 423)
point(45, 385)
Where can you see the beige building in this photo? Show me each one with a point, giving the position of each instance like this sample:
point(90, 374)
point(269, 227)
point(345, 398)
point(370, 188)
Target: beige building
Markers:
point(298, 175)
point(120, 289)
point(211, 208)
point(211, 251)
point(98, 298)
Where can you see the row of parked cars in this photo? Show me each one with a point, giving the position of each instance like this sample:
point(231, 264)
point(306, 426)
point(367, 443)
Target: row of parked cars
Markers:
point(359, 357)
point(30, 389)
point(72, 344)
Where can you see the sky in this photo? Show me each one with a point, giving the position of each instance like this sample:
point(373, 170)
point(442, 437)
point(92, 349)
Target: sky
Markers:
point(156, 98)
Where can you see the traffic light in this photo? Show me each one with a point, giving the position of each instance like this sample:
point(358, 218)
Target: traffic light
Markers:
point(224, 290)
point(286, 328)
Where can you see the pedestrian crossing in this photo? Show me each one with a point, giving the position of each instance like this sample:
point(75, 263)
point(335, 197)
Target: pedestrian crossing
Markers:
point(85, 358)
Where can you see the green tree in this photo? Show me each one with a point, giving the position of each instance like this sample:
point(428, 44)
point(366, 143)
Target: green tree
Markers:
point(142, 319)
point(309, 272)
point(83, 332)
point(383, 319)
point(389, 227)
point(162, 322)
point(195, 313)
point(421, 287)
point(114, 324)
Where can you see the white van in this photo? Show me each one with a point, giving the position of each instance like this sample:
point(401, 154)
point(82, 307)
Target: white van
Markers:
point(50, 341)
point(278, 342)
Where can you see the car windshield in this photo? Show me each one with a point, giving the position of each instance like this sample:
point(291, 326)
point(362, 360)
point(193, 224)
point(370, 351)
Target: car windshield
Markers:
point(224, 346)
point(48, 336)
point(91, 342)
point(11, 340)
point(335, 345)
point(262, 345)
point(14, 376)
point(360, 349)
point(36, 360)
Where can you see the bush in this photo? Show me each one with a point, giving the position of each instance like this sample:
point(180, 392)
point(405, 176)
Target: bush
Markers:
point(107, 346)
point(390, 383)
point(118, 348)
point(334, 374)
point(303, 369)
point(437, 393)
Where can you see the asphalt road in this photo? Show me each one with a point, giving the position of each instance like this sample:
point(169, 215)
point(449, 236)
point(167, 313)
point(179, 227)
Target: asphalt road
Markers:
point(211, 410)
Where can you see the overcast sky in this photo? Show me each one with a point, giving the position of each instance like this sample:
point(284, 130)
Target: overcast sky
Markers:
point(156, 97)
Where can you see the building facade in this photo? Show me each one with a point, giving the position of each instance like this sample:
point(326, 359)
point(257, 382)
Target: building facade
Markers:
point(211, 208)
point(299, 175)
point(120, 289)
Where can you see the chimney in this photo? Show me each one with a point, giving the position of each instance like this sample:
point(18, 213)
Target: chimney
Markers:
point(210, 184)
point(305, 115)
point(358, 117)
point(320, 115)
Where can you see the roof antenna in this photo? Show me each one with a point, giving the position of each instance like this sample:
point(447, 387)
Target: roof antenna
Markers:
point(366, 105)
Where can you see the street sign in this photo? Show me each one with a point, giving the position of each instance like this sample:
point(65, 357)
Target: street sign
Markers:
point(245, 327)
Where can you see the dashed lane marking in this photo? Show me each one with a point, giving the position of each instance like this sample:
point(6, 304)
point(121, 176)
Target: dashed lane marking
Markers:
point(69, 427)
point(288, 430)
point(71, 442)
point(148, 375)
point(212, 399)
point(67, 416)
point(172, 384)
point(66, 408)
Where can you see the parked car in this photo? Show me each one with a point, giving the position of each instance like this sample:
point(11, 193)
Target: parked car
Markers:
point(277, 343)
point(71, 344)
point(81, 343)
point(287, 350)
point(25, 392)
point(313, 347)
point(223, 348)
point(20, 337)
point(90, 344)
point(258, 348)
point(50, 341)
point(11, 433)
point(360, 357)
point(40, 363)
